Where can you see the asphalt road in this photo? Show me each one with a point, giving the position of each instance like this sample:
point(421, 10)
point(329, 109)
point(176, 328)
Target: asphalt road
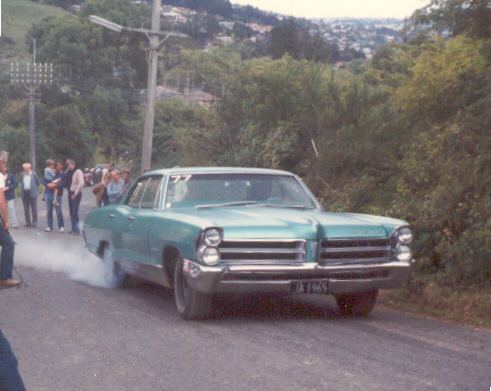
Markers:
point(70, 335)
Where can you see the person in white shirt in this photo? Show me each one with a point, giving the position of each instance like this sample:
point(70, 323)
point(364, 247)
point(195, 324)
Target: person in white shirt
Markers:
point(76, 184)
point(6, 242)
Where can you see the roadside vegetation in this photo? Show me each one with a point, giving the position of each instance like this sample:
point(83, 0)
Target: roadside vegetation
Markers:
point(406, 134)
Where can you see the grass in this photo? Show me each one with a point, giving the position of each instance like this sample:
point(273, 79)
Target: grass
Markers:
point(17, 18)
point(467, 307)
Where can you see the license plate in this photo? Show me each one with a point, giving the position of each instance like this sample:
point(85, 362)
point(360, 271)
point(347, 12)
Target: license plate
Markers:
point(320, 287)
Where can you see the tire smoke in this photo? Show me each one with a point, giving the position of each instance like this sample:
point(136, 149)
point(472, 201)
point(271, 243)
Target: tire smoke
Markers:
point(65, 254)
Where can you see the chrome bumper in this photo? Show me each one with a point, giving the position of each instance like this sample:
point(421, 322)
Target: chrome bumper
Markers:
point(278, 279)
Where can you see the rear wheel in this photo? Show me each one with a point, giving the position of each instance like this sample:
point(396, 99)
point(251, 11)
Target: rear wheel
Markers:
point(357, 304)
point(190, 303)
point(113, 274)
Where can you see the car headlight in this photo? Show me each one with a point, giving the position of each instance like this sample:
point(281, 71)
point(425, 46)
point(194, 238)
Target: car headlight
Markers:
point(209, 255)
point(404, 235)
point(212, 237)
point(403, 253)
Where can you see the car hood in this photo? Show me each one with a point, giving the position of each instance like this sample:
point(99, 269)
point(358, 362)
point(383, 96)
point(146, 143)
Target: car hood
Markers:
point(289, 223)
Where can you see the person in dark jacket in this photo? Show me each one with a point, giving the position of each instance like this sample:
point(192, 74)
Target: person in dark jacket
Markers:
point(9, 192)
point(29, 182)
point(54, 193)
point(10, 379)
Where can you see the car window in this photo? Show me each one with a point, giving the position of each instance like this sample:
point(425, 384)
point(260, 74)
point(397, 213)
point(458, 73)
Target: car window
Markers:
point(134, 199)
point(151, 191)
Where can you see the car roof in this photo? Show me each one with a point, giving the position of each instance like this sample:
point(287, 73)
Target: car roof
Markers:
point(217, 170)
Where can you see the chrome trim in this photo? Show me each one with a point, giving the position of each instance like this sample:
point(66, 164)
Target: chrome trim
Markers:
point(325, 251)
point(231, 278)
point(250, 247)
point(249, 250)
point(344, 261)
point(264, 240)
point(354, 249)
point(310, 266)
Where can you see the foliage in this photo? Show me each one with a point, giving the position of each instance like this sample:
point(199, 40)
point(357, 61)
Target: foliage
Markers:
point(17, 17)
point(289, 37)
point(455, 17)
point(405, 134)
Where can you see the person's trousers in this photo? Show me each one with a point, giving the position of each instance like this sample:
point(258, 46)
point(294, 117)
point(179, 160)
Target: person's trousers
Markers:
point(7, 255)
point(74, 205)
point(10, 379)
point(30, 202)
point(49, 209)
point(12, 215)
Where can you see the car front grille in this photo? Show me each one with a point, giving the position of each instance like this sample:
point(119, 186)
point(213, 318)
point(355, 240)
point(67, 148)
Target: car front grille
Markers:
point(347, 251)
point(263, 251)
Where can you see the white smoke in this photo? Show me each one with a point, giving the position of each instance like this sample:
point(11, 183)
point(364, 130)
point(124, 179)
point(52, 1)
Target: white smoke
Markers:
point(62, 253)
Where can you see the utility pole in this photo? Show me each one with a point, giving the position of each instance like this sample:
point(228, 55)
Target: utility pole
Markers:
point(153, 58)
point(154, 36)
point(32, 76)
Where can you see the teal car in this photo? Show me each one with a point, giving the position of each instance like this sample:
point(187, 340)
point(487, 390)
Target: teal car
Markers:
point(210, 231)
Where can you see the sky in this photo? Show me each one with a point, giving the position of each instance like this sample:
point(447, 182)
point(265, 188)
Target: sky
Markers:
point(339, 8)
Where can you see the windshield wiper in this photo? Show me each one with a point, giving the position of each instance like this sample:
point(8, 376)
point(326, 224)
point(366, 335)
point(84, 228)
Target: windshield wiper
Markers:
point(225, 204)
point(296, 206)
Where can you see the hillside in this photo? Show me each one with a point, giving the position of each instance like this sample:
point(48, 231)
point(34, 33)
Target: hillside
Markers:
point(17, 17)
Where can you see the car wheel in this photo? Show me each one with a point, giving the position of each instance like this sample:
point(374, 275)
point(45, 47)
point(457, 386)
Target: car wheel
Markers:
point(190, 303)
point(113, 274)
point(357, 304)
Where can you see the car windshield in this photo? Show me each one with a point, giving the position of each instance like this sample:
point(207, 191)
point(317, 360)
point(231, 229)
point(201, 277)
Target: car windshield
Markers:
point(209, 190)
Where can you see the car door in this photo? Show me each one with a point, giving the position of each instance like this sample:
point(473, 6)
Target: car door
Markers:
point(128, 212)
point(142, 219)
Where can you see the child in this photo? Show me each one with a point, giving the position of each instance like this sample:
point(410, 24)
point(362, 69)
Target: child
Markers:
point(49, 174)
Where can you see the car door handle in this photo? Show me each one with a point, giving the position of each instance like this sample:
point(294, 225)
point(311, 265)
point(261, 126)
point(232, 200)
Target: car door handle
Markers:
point(131, 218)
point(111, 216)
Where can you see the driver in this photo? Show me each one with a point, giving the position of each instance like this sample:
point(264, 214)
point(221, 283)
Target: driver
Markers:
point(260, 191)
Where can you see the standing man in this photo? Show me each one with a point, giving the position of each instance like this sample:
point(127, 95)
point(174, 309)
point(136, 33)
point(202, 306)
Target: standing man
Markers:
point(115, 188)
point(9, 192)
point(6, 242)
point(75, 193)
point(29, 182)
point(58, 183)
point(126, 176)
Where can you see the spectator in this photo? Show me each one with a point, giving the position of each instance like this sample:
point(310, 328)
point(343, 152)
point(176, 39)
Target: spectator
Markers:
point(29, 182)
point(9, 192)
point(100, 191)
point(49, 175)
point(115, 188)
point(75, 193)
point(54, 193)
point(10, 379)
point(6, 242)
point(126, 176)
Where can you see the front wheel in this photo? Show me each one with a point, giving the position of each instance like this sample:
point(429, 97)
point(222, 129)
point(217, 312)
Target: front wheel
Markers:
point(190, 303)
point(357, 304)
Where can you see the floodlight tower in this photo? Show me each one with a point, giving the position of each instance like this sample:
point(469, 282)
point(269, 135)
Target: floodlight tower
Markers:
point(32, 76)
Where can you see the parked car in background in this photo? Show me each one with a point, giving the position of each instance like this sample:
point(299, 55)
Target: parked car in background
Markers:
point(89, 177)
point(98, 171)
point(209, 231)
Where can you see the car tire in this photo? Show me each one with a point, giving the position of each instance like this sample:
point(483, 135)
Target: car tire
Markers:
point(190, 303)
point(357, 304)
point(113, 274)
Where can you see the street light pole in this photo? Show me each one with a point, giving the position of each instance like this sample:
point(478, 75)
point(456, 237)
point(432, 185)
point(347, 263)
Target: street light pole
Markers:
point(154, 36)
point(153, 57)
